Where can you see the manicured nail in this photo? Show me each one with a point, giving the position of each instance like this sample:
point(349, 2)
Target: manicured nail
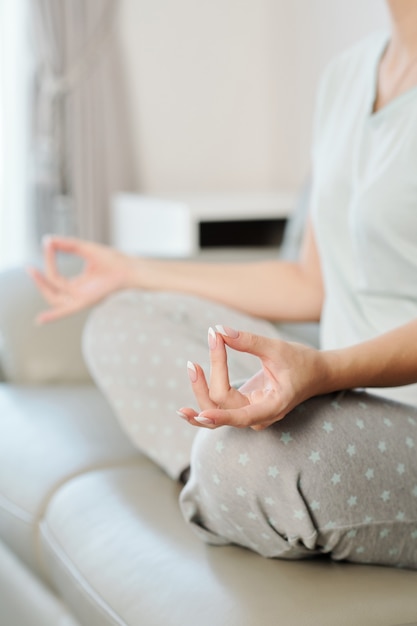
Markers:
point(192, 372)
point(181, 414)
point(227, 331)
point(203, 420)
point(212, 339)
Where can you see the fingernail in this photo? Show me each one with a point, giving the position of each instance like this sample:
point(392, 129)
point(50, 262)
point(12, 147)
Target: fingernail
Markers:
point(227, 331)
point(203, 420)
point(46, 239)
point(212, 339)
point(181, 414)
point(192, 372)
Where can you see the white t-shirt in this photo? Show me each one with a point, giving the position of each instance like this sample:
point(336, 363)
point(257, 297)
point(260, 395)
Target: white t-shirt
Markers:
point(364, 203)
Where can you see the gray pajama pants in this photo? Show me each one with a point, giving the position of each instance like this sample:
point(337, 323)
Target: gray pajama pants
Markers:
point(337, 476)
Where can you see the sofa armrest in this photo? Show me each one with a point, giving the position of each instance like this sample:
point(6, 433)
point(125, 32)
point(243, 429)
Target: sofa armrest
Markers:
point(31, 354)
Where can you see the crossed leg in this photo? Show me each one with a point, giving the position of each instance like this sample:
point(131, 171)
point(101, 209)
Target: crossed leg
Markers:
point(338, 475)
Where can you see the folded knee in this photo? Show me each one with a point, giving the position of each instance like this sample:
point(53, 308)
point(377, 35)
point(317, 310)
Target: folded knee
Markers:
point(239, 493)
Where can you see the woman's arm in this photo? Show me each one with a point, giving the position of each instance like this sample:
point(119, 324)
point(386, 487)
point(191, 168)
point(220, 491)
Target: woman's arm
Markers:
point(292, 373)
point(274, 290)
point(389, 360)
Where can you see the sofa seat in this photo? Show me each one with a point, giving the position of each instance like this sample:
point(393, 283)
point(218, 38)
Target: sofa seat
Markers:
point(49, 435)
point(117, 550)
point(101, 524)
point(24, 600)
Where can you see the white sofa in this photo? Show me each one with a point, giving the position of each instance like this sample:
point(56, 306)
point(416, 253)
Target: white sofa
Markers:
point(90, 529)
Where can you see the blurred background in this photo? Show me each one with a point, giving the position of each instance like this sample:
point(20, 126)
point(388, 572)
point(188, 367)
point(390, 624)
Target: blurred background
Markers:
point(172, 99)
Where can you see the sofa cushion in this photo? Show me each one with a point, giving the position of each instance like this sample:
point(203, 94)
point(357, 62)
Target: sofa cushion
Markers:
point(40, 606)
point(118, 552)
point(37, 354)
point(47, 436)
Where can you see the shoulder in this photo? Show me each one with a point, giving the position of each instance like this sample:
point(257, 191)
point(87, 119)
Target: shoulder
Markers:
point(347, 78)
point(350, 68)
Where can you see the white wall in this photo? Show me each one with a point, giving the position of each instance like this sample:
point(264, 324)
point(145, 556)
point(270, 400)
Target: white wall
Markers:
point(222, 91)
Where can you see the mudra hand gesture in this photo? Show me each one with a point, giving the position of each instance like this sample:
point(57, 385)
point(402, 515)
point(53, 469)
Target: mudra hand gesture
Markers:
point(105, 270)
point(290, 374)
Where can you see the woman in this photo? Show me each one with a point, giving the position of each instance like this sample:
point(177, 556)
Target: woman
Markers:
point(338, 475)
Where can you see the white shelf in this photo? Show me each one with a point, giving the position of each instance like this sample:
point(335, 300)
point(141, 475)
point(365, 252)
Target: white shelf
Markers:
point(169, 225)
point(236, 206)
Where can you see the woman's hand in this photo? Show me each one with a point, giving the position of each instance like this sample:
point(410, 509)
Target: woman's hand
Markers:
point(105, 270)
point(290, 374)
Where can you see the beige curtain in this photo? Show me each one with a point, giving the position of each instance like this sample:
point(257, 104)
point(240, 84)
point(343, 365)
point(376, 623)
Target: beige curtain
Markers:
point(81, 147)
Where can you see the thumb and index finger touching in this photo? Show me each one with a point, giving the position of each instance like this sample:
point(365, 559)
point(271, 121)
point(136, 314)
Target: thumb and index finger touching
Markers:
point(52, 245)
point(50, 281)
point(241, 341)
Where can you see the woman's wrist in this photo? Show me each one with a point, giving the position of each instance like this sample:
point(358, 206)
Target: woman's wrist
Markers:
point(331, 371)
point(134, 273)
point(315, 373)
point(347, 368)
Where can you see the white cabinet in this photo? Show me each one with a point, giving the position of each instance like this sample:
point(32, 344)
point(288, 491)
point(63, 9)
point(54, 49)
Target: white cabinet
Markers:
point(170, 226)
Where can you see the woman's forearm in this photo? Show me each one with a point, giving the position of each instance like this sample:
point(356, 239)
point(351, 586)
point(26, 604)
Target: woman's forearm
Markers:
point(389, 360)
point(274, 290)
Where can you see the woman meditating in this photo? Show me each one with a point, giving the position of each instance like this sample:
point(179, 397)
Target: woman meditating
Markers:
point(316, 453)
